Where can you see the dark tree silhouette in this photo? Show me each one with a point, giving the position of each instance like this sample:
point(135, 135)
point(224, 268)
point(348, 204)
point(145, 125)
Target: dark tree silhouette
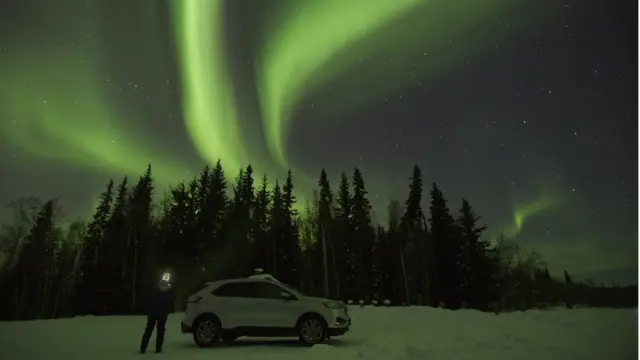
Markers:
point(327, 248)
point(361, 245)
point(477, 266)
point(343, 232)
point(94, 245)
point(446, 246)
point(203, 231)
point(417, 248)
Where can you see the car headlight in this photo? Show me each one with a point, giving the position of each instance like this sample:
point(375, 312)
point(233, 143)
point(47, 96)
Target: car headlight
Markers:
point(333, 305)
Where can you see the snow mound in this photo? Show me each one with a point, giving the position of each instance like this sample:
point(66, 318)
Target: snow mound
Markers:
point(378, 333)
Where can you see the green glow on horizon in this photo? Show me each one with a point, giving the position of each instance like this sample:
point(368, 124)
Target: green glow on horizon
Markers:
point(528, 210)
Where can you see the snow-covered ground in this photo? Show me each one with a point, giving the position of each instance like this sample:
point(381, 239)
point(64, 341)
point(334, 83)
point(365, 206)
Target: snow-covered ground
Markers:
point(378, 333)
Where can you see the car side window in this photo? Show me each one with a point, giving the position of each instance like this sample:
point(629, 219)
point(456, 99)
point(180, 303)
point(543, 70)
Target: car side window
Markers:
point(233, 290)
point(267, 291)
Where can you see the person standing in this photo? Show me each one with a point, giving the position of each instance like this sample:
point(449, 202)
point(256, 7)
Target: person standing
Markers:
point(161, 304)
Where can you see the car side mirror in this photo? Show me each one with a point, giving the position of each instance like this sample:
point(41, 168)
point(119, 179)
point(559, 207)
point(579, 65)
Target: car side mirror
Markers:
point(287, 296)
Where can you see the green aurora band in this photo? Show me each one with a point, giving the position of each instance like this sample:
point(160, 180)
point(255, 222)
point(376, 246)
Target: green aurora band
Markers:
point(306, 48)
point(209, 108)
point(314, 43)
point(74, 124)
point(309, 45)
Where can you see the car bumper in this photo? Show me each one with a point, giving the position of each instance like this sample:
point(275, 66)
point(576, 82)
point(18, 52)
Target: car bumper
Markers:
point(337, 331)
point(186, 329)
point(340, 326)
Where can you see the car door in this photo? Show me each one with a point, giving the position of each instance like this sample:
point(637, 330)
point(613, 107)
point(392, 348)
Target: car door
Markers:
point(234, 304)
point(276, 309)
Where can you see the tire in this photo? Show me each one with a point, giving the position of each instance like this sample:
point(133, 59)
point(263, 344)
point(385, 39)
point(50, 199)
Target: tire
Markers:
point(206, 331)
point(311, 329)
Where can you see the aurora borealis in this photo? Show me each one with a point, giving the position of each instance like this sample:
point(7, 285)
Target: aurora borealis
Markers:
point(527, 111)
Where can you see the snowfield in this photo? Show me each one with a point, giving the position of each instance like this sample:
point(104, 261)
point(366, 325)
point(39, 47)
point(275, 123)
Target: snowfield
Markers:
point(378, 333)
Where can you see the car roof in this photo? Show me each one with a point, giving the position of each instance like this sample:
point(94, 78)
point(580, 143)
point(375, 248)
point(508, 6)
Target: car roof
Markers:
point(243, 280)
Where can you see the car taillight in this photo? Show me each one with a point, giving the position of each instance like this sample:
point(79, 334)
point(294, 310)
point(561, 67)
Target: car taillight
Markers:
point(194, 298)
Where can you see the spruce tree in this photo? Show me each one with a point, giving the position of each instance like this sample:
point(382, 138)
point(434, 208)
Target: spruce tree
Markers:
point(239, 226)
point(248, 193)
point(139, 256)
point(569, 291)
point(290, 244)
point(214, 211)
point(176, 249)
point(238, 189)
point(67, 269)
point(260, 224)
point(476, 270)
point(327, 244)
point(110, 262)
point(312, 272)
point(567, 278)
point(418, 249)
point(203, 220)
point(362, 242)
point(325, 199)
point(190, 237)
point(34, 266)
point(246, 223)
point(275, 231)
point(343, 233)
point(446, 246)
point(412, 217)
point(397, 285)
point(93, 245)
point(380, 256)
point(182, 251)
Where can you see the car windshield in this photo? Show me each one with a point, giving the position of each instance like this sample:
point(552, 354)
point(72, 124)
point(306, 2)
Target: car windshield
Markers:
point(291, 289)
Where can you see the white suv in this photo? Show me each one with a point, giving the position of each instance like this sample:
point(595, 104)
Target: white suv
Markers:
point(261, 306)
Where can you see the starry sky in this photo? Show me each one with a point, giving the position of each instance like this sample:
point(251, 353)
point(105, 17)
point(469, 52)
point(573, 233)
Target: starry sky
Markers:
point(526, 108)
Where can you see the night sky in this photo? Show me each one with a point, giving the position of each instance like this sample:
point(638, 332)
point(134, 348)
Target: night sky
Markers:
point(526, 108)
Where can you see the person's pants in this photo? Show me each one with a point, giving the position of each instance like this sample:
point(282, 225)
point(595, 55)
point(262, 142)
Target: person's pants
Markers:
point(158, 323)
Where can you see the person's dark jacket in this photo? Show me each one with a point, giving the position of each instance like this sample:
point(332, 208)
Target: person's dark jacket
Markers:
point(161, 303)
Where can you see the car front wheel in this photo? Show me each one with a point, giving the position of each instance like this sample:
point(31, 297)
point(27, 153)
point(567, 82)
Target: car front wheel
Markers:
point(311, 329)
point(207, 331)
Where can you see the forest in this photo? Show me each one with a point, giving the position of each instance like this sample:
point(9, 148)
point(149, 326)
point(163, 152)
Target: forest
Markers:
point(206, 229)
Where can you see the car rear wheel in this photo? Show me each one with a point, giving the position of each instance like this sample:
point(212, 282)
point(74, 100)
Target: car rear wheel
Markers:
point(311, 330)
point(206, 331)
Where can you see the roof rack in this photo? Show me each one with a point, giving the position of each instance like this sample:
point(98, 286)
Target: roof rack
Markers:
point(263, 277)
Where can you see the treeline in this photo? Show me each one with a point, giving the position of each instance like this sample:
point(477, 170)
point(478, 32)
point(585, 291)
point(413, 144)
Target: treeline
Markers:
point(204, 230)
